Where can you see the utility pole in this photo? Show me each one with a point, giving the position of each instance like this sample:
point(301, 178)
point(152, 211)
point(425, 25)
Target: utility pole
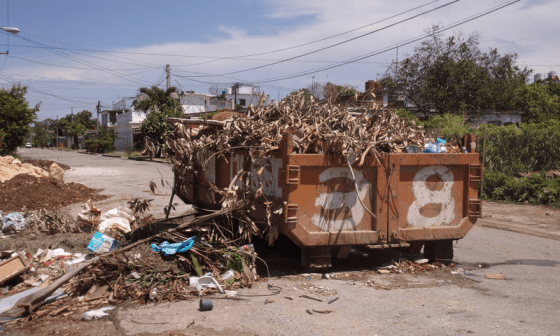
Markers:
point(168, 71)
point(57, 124)
point(98, 111)
point(235, 86)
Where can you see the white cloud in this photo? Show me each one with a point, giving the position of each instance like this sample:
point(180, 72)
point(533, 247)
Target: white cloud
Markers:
point(528, 28)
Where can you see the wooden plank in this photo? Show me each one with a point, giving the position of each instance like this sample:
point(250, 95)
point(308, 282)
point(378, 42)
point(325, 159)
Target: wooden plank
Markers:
point(497, 276)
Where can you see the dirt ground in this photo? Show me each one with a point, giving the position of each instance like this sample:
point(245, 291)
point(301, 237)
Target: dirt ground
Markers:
point(36, 193)
point(537, 220)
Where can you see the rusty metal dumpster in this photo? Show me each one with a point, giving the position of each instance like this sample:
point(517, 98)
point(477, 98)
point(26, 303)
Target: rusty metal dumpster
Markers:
point(324, 207)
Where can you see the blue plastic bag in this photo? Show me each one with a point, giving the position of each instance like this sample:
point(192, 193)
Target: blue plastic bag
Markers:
point(169, 249)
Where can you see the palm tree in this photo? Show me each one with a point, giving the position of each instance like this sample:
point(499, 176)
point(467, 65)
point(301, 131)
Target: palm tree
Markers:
point(159, 101)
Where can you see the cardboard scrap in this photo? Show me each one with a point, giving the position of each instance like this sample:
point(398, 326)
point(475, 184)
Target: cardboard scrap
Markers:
point(497, 276)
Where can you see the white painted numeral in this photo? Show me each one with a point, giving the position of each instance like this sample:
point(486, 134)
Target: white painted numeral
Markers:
point(423, 196)
point(340, 200)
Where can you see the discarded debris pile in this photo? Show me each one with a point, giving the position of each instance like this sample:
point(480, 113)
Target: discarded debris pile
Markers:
point(413, 267)
point(35, 193)
point(199, 257)
point(316, 127)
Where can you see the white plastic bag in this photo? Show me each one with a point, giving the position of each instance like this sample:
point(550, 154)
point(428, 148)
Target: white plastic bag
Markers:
point(13, 222)
point(96, 314)
point(117, 218)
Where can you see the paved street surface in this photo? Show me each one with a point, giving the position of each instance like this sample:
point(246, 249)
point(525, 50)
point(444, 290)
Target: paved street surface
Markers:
point(431, 303)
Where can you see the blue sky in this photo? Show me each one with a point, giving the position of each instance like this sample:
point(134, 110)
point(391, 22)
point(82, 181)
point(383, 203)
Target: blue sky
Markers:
point(73, 53)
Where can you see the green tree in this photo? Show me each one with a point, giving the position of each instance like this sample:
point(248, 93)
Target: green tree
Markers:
point(160, 105)
point(40, 136)
point(15, 117)
point(75, 125)
point(453, 76)
point(540, 101)
point(158, 100)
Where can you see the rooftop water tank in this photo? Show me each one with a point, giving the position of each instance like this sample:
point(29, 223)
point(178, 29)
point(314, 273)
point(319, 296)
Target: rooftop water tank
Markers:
point(538, 77)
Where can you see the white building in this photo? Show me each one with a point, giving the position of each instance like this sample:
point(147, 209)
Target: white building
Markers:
point(127, 123)
point(245, 94)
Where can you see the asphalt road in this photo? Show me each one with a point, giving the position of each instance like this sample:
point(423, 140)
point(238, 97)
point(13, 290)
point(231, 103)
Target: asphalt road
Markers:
point(431, 303)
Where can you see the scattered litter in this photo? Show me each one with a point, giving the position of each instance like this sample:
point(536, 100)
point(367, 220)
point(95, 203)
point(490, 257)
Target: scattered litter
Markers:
point(116, 219)
point(326, 276)
point(169, 249)
point(206, 305)
point(421, 261)
point(289, 298)
point(497, 276)
point(458, 271)
point(323, 311)
point(550, 213)
point(135, 275)
point(12, 267)
point(95, 314)
point(383, 271)
point(13, 222)
point(311, 298)
point(203, 282)
point(231, 293)
point(229, 275)
point(102, 243)
point(333, 300)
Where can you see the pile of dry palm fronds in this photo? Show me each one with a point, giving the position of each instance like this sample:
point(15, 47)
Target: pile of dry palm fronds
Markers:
point(349, 133)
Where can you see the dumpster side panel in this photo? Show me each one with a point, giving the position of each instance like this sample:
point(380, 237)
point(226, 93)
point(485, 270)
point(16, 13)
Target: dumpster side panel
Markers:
point(324, 201)
point(434, 196)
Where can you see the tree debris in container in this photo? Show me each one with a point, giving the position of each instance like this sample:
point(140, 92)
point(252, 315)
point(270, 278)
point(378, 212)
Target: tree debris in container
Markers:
point(318, 127)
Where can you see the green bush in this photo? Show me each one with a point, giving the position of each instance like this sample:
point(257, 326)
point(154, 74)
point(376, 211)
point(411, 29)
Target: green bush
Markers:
point(529, 148)
point(100, 146)
point(537, 189)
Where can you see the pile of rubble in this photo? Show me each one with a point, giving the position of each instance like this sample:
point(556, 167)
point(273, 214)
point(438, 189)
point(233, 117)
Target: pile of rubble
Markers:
point(199, 256)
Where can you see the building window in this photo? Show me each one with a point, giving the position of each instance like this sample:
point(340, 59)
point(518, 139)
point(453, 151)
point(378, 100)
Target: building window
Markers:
point(242, 102)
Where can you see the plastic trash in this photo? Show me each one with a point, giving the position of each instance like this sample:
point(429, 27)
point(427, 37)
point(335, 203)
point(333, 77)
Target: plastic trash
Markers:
point(229, 275)
point(248, 248)
point(117, 218)
point(169, 249)
point(205, 281)
point(430, 148)
point(413, 149)
point(115, 223)
point(231, 294)
point(96, 314)
point(206, 305)
point(13, 222)
point(102, 243)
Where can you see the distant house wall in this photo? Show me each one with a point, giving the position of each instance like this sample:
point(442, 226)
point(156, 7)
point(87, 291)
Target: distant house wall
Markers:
point(126, 123)
point(496, 118)
point(245, 100)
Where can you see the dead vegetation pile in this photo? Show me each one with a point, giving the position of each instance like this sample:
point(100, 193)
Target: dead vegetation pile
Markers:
point(351, 134)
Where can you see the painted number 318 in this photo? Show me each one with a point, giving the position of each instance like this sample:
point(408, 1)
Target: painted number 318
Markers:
point(433, 201)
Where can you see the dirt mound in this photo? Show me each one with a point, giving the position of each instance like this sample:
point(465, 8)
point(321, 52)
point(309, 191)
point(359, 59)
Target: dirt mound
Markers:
point(10, 167)
point(36, 193)
point(45, 164)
